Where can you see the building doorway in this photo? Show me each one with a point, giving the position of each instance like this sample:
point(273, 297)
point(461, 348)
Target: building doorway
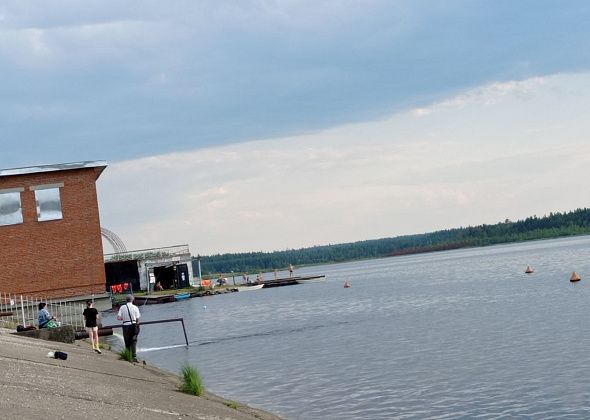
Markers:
point(166, 276)
point(122, 272)
point(182, 276)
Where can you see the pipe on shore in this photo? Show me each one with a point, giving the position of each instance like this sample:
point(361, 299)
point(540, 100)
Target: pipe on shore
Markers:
point(101, 332)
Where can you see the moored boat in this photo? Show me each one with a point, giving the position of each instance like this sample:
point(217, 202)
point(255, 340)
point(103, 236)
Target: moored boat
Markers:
point(182, 296)
point(248, 288)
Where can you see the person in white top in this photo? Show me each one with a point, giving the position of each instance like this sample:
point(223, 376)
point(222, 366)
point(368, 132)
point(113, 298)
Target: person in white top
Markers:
point(129, 314)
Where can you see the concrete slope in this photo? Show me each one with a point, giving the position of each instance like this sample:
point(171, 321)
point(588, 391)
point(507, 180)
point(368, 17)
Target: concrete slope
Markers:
point(88, 385)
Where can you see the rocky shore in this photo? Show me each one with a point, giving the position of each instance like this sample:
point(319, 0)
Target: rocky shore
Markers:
point(88, 385)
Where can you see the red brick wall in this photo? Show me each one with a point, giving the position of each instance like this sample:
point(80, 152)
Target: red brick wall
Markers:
point(55, 258)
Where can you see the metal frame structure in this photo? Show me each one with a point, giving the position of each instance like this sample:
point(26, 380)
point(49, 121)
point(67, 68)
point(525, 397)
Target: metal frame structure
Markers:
point(114, 239)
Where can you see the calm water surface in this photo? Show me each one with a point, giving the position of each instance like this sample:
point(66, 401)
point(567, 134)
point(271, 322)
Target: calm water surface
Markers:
point(457, 334)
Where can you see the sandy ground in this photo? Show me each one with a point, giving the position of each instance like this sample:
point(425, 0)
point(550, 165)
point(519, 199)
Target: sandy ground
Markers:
point(88, 385)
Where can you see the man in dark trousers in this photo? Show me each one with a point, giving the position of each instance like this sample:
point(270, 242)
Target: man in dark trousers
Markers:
point(129, 314)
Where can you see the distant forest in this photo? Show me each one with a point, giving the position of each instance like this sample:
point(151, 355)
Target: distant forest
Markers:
point(554, 225)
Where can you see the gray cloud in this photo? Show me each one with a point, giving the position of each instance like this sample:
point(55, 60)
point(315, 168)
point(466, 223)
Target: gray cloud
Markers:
point(116, 80)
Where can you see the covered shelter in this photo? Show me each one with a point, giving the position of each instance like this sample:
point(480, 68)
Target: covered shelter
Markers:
point(142, 269)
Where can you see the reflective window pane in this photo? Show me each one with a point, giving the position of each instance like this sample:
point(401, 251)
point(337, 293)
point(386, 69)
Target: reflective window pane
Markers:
point(11, 212)
point(48, 204)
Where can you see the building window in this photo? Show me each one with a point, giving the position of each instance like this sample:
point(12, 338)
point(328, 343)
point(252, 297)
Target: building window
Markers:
point(48, 202)
point(11, 210)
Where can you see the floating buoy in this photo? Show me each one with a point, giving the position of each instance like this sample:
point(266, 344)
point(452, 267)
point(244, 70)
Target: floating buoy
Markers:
point(575, 277)
point(346, 285)
point(529, 269)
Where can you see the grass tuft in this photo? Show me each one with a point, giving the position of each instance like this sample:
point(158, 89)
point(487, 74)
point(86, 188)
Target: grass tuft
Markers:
point(125, 354)
point(232, 404)
point(104, 346)
point(191, 381)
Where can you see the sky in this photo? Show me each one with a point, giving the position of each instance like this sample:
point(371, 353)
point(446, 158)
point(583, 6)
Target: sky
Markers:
point(266, 125)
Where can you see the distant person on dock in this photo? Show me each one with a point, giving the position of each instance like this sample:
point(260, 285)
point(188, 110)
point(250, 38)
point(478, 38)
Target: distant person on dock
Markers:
point(276, 274)
point(46, 320)
point(258, 278)
point(290, 270)
point(158, 286)
point(90, 319)
point(129, 314)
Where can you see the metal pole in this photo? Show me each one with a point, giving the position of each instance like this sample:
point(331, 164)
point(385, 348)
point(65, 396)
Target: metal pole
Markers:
point(22, 308)
point(199, 267)
point(184, 331)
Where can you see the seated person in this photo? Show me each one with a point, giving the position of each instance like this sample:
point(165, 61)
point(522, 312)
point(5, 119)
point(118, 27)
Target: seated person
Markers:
point(158, 286)
point(46, 320)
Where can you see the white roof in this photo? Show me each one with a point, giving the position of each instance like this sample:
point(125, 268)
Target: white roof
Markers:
point(100, 165)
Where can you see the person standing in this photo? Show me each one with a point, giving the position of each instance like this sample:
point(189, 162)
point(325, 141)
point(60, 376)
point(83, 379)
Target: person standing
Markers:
point(129, 314)
point(90, 318)
point(290, 270)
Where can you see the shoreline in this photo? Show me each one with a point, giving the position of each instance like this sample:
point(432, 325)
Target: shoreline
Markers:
point(88, 384)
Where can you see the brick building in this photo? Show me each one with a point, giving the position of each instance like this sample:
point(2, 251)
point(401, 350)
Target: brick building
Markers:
point(50, 238)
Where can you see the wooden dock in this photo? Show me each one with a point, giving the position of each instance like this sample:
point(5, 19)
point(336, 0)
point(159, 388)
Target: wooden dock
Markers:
point(285, 281)
point(153, 299)
point(157, 299)
point(288, 281)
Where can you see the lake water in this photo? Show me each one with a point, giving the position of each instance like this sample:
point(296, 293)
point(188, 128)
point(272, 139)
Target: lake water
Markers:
point(455, 334)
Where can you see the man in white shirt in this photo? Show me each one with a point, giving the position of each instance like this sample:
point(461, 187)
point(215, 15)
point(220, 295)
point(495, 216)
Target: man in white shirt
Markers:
point(129, 314)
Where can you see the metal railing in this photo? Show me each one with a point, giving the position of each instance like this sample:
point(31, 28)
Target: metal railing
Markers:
point(147, 254)
point(23, 310)
point(160, 321)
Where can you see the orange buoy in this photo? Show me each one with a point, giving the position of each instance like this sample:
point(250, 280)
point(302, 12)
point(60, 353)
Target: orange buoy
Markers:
point(346, 285)
point(529, 269)
point(575, 277)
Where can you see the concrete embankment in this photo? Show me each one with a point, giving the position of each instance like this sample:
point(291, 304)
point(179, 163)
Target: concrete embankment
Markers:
point(88, 385)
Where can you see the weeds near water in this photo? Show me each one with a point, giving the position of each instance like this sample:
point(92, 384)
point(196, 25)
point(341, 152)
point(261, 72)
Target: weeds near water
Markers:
point(191, 381)
point(232, 404)
point(126, 354)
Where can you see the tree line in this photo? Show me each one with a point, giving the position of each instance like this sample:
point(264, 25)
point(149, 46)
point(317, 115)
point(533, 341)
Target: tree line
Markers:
point(575, 222)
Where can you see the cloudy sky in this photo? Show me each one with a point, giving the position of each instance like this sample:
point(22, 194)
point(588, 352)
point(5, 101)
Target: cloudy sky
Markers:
point(259, 125)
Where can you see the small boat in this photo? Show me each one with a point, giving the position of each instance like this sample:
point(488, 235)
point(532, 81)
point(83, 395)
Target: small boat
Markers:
point(310, 279)
point(575, 277)
point(346, 285)
point(182, 296)
point(529, 269)
point(248, 288)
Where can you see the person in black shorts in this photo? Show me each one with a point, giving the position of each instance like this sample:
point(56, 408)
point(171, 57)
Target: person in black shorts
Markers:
point(90, 317)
